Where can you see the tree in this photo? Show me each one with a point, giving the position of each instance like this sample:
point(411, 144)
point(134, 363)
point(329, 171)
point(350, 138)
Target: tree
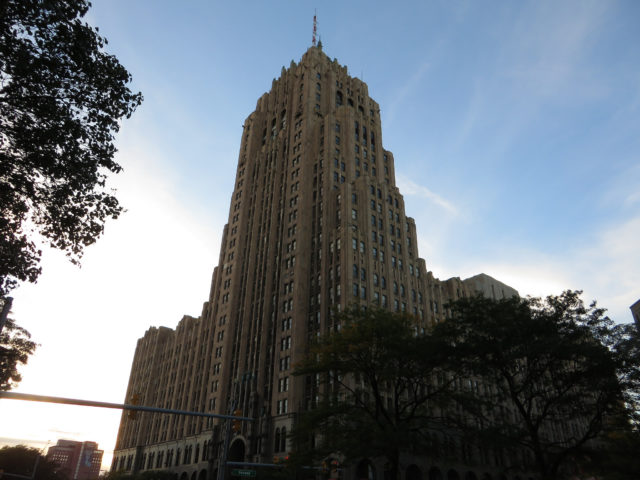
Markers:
point(380, 389)
point(544, 376)
point(15, 348)
point(22, 460)
point(61, 102)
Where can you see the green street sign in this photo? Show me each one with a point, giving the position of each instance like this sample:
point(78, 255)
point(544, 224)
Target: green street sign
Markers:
point(237, 472)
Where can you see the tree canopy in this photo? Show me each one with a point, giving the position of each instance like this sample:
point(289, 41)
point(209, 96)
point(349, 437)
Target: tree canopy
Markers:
point(62, 98)
point(22, 460)
point(15, 347)
point(544, 375)
point(379, 386)
point(524, 384)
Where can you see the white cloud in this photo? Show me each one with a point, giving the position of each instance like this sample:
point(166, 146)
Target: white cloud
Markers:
point(607, 270)
point(408, 187)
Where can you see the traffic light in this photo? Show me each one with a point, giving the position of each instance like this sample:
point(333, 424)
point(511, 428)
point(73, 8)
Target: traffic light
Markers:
point(236, 425)
point(135, 400)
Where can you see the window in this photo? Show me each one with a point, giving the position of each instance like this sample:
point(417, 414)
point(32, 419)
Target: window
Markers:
point(283, 407)
point(354, 243)
point(361, 247)
point(354, 214)
point(286, 324)
point(283, 385)
point(285, 363)
point(355, 289)
point(363, 292)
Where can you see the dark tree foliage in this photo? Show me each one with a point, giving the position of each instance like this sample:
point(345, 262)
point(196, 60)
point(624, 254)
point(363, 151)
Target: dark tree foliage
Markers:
point(22, 460)
point(380, 386)
point(544, 376)
point(616, 456)
point(15, 348)
point(61, 102)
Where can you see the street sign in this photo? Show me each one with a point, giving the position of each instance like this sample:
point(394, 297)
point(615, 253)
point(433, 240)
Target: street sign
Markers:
point(238, 472)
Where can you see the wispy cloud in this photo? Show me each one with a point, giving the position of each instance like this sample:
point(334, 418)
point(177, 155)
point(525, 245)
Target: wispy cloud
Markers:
point(409, 187)
point(404, 91)
point(548, 45)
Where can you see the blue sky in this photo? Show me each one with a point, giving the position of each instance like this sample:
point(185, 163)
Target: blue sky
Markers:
point(515, 128)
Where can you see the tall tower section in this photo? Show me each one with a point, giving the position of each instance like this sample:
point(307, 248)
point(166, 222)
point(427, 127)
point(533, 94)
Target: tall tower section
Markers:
point(316, 223)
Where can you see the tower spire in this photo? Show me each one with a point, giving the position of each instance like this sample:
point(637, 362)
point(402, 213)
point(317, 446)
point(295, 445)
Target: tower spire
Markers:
point(315, 28)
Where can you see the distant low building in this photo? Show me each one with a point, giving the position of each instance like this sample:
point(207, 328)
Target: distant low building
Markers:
point(635, 311)
point(489, 287)
point(79, 460)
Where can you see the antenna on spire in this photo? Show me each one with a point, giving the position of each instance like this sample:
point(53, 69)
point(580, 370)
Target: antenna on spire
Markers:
point(315, 28)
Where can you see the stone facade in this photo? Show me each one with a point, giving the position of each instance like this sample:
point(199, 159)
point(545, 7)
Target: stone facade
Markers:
point(316, 223)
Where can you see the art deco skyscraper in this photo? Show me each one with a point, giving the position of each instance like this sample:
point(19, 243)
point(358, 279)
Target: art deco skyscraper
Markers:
point(316, 223)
